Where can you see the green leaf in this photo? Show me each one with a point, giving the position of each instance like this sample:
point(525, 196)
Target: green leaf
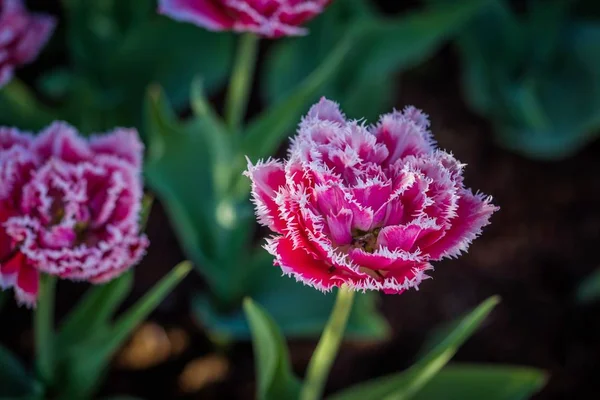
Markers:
point(117, 49)
point(406, 41)
point(408, 383)
point(187, 168)
point(535, 75)
point(382, 47)
point(266, 132)
point(290, 60)
point(147, 202)
point(273, 369)
point(171, 54)
point(19, 107)
point(300, 311)
point(95, 310)
point(482, 381)
point(87, 362)
point(589, 290)
point(15, 382)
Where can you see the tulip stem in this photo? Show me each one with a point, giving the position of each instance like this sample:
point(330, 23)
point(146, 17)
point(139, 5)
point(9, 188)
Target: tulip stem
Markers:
point(241, 81)
point(322, 360)
point(43, 318)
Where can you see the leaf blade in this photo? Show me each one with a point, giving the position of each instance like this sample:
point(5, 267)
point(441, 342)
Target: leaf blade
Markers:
point(406, 384)
point(274, 372)
point(478, 381)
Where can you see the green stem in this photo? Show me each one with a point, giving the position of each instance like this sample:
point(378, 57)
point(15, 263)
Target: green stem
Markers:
point(241, 79)
point(43, 320)
point(326, 351)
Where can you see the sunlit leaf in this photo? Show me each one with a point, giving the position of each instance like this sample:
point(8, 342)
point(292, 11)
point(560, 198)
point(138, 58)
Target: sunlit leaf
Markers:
point(483, 381)
point(273, 369)
point(408, 383)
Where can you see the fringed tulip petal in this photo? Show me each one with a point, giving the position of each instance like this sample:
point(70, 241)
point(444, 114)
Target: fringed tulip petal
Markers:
point(22, 36)
point(69, 207)
point(270, 18)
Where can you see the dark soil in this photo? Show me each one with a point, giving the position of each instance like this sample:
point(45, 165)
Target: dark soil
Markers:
point(538, 248)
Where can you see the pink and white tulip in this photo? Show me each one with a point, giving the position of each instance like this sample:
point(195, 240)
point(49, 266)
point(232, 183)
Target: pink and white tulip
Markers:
point(270, 18)
point(22, 36)
point(69, 207)
point(365, 206)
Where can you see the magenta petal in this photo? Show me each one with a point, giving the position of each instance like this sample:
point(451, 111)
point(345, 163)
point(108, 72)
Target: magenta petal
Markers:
point(205, 13)
point(473, 213)
point(402, 137)
point(27, 286)
point(9, 270)
point(372, 195)
point(340, 226)
point(331, 200)
point(11, 137)
point(123, 143)
point(267, 178)
point(404, 237)
point(326, 110)
point(417, 116)
point(34, 38)
point(62, 141)
point(298, 263)
point(22, 36)
point(384, 259)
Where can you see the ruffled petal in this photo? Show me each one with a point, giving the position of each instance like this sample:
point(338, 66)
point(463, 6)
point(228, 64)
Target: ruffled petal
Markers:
point(472, 214)
point(209, 14)
point(267, 178)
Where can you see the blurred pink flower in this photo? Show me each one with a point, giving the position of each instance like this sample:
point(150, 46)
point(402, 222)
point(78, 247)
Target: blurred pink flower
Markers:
point(269, 18)
point(22, 36)
point(366, 206)
point(68, 206)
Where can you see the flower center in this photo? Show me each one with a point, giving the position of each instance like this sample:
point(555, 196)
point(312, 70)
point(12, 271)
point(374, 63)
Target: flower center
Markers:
point(365, 240)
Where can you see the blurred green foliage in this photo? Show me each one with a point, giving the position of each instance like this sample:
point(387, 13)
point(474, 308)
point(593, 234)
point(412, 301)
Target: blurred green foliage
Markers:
point(589, 288)
point(365, 85)
point(115, 49)
point(428, 378)
point(86, 340)
point(535, 75)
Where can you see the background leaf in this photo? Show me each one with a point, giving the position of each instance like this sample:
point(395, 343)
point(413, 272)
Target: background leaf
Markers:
point(408, 383)
point(589, 289)
point(115, 50)
point(483, 381)
point(535, 75)
point(86, 362)
point(15, 382)
point(300, 311)
point(273, 369)
point(382, 48)
point(94, 311)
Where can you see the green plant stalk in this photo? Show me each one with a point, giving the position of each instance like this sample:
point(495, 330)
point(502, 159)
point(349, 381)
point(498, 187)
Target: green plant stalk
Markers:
point(327, 348)
point(241, 80)
point(43, 319)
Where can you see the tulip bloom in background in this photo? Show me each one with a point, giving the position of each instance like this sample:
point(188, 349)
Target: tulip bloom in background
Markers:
point(271, 19)
point(68, 207)
point(22, 35)
point(368, 207)
point(71, 208)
